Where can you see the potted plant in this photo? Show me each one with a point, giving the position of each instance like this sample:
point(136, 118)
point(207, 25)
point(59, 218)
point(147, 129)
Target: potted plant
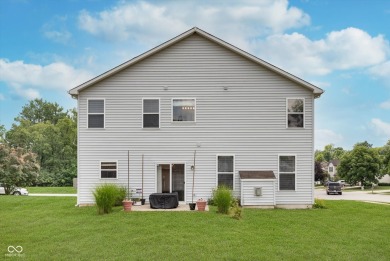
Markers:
point(201, 204)
point(127, 205)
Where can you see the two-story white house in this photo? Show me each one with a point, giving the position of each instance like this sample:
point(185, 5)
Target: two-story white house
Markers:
point(250, 123)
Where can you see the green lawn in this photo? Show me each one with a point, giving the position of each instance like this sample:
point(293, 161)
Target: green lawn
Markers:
point(52, 228)
point(52, 190)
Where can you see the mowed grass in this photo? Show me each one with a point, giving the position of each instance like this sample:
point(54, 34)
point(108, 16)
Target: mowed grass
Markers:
point(52, 190)
point(52, 228)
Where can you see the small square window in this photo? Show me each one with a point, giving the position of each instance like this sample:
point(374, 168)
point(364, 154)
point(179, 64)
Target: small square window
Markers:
point(108, 170)
point(183, 110)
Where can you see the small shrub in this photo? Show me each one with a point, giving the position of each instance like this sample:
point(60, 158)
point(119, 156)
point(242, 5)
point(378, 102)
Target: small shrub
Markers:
point(223, 199)
point(236, 210)
point(210, 201)
point(120, 196)
point(318, 203)
point(384, 184)
point(105, 197)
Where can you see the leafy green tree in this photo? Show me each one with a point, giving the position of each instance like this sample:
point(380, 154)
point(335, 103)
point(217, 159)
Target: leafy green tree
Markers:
point(329, 153)
point(385, 153)
point(38, 110)
point(18, 167)
point(319, 174)
point(362, 164)
point(52, 138)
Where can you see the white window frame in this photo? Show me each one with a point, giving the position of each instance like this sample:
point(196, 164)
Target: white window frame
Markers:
point(183, 122)
point(281, 173)
point(159, 114)
point(303, 113)
point(234, 169)
point(104, 113)
point(100, 169)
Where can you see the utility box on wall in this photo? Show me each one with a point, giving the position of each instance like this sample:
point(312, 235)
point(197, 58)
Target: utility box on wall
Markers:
point(258, 192)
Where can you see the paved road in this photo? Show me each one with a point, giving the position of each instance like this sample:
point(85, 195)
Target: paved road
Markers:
point(51, 195)
point(364, 195)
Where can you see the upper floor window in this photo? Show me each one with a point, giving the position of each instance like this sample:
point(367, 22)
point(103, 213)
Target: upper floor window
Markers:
point(151, 113)
point(183, 110)
point(287, 172)
point(225, 172)
point(96, 113)
point(295, 112)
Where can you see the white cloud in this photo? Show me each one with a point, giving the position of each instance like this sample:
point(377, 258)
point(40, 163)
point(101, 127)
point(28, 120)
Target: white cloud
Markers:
point(236, 21)
point(381, 127)
point(58, 36)
point(381, 71)
point(27, 79)
point(2, 97)
point(339, 50)
point(324, 137)
point(385, 105)
point(56, 30)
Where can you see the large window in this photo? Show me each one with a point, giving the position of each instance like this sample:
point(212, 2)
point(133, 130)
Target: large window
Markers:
point(295, 112)
point(108, 169)
point(225, 165)
point(96, 113)
point(183, 110)
point(151, 113)
point(287, 172)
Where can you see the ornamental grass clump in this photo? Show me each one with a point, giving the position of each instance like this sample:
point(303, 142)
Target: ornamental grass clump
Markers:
point(223, 198)
point(106, 196)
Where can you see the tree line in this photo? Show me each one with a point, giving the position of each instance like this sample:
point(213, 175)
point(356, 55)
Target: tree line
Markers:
point(41, 146)
point(363, 164)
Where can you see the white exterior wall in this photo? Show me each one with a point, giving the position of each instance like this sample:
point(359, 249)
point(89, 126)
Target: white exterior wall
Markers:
point(248, 197)
point(248, 120)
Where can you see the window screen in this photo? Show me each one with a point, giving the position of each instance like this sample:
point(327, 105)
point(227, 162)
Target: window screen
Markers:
point(108, 169)
point(295, 113)
point(226, 171)
point(183, 109)
point(286, 172)
point(95, 113)
point(151, 113)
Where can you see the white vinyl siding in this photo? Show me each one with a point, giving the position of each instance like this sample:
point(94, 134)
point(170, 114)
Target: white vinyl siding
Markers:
point(225, 170)
point(96, 115)
point(183, 109)
point(247, 120)
point(108, 169)
point(295, 112)
point(287, 172)
point(151, 113)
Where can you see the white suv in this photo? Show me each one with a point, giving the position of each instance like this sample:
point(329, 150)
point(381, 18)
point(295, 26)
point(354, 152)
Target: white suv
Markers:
point(16, 191)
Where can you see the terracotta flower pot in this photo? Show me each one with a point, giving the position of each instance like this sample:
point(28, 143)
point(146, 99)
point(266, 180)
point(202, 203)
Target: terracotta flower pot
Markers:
point(127, 205)
point(201, 204)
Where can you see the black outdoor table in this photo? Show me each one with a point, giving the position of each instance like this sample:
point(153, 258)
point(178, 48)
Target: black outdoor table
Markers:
point(164, 200)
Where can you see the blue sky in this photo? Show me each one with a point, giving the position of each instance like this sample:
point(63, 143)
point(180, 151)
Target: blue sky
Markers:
point(48, 47)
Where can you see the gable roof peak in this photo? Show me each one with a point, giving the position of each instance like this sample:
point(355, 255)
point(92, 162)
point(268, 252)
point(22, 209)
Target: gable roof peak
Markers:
point(316, 91)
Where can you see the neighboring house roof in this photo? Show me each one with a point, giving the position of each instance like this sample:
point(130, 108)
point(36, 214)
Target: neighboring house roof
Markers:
point(317, 91)
point(335, 162)
point(257, 174)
